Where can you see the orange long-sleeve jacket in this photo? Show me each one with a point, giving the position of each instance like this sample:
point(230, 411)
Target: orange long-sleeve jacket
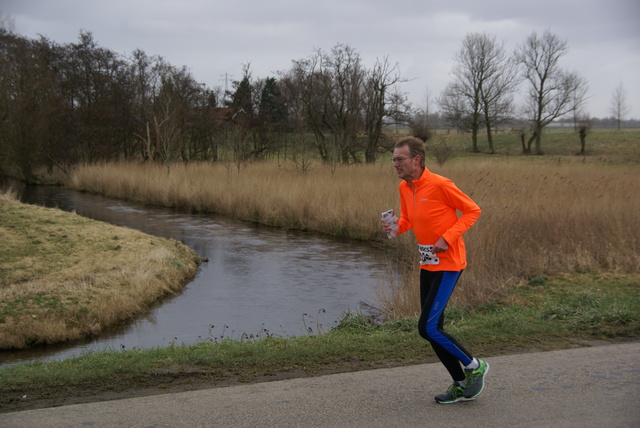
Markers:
point(430, 209)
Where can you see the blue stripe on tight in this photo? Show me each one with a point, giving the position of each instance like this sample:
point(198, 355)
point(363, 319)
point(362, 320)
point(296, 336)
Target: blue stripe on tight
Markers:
point(447, 285)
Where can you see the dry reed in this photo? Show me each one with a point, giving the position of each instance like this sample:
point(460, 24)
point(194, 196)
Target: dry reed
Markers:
point(539, 217)
point(344, 202)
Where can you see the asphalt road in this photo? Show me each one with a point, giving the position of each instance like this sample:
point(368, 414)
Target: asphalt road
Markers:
point(586, 387)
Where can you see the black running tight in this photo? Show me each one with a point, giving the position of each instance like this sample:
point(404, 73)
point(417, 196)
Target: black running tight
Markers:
point(435, 291)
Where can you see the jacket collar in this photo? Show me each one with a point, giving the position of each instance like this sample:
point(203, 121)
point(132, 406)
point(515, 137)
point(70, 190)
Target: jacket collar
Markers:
point(425, 174)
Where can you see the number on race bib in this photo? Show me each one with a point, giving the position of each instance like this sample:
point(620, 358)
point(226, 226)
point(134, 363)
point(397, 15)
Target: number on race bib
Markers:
point(427, 257)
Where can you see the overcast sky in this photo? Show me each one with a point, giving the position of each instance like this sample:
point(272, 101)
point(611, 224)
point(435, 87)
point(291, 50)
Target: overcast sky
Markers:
point(214, 38)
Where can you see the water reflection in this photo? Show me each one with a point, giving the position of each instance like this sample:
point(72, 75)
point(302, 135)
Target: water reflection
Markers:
point(257, 279)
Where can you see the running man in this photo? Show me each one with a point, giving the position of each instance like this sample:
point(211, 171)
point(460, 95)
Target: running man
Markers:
point(429, 205)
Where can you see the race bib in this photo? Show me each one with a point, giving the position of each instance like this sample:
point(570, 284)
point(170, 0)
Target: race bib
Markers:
point(427, 257)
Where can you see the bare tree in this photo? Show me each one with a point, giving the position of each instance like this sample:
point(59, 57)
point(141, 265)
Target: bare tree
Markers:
point(498, 84)
point(379, 80)
point(428, 105)
point(485, 79)
point(20, 124)
point(33, 117)
point(173, 107)
point(345, 80)
point(7, 23)
point(460, 101)
point(454, 108)
point(552, 90)
point(60, 104)
point(619, 107)
point(399, 108)
point(336, 98)
point(237, 139)
point(169, 142)
point(578, 100)
point(422, 121)
point(328, 89)
point(146, 76)
point(302, 87)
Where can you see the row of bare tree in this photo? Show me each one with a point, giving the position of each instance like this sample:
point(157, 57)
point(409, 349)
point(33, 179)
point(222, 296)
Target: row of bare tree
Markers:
point(63, 104)
point(80, 102)
point(486, 78)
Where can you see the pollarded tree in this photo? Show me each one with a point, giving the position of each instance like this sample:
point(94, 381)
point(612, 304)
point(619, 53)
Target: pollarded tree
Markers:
point(552, 91)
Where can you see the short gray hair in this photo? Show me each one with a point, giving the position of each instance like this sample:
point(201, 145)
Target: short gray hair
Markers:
point(416, 147)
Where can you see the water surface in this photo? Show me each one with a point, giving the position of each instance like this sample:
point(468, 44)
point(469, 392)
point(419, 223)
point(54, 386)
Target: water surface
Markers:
point(257, 280)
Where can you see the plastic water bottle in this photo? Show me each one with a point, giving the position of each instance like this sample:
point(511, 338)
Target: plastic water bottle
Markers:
point(389, 217)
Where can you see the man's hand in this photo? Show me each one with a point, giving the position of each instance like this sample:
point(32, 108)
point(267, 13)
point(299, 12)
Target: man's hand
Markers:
point(440, 246)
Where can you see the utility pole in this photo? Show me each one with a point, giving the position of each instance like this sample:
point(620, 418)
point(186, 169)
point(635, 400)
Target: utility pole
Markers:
point(225, 77)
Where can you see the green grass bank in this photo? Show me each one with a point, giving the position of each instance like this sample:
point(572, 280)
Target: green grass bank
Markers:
point(544, 314)
point(65, 277)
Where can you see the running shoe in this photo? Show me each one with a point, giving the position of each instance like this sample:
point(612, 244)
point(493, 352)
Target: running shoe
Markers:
point(475, 380)
point(454, 394)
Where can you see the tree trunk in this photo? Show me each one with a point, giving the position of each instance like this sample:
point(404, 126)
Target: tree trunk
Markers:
point(583, 140)
point(538, 143)
point(490, 138)
point(474, 137)
point(370, 153)
point(529, 142)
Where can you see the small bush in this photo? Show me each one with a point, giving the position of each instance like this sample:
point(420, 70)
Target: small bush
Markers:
point(442, 151)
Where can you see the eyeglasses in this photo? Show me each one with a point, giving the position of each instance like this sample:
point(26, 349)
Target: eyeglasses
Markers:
point(394, 160)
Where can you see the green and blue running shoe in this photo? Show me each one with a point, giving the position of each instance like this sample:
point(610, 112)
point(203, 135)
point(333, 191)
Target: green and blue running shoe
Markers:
point(454, 394)
point(475, 380)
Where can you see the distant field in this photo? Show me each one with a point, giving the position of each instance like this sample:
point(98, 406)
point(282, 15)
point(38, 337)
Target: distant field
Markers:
point(601, 144)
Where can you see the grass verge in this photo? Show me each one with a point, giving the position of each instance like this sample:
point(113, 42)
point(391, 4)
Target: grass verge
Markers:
point(65, 277)
point(545, 314)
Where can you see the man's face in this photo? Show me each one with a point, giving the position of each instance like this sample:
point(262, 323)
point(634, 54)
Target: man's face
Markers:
point(407, 168)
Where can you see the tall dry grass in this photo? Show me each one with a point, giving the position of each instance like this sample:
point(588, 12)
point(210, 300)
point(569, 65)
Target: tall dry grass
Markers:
point(539, 217)
point(344, 202)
